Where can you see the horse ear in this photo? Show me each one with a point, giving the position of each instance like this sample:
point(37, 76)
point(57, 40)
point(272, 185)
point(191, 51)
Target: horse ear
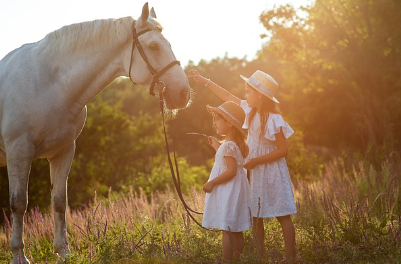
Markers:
point(145, 13)
point(153, 13)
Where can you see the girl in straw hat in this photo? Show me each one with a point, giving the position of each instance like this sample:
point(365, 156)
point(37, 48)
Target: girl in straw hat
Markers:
point(271, 189)
point(227, 203)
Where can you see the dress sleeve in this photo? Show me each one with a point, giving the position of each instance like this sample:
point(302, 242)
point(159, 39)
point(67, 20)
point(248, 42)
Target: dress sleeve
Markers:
point(275, 123)
point(247, 110)
point(230, 149)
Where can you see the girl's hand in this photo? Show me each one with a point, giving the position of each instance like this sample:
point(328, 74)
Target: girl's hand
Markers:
point(194, 74)
point(208, 187)
point(251, 164)
point(213, 142)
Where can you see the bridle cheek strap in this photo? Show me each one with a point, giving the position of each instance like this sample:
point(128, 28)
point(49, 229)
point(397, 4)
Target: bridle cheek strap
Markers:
point(155, 74)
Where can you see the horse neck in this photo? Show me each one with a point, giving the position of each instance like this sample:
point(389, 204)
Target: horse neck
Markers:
point(88, 56)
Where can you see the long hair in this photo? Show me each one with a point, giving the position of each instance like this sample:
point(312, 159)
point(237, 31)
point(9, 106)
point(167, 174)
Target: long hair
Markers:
point(238, 138)
point(267, 106)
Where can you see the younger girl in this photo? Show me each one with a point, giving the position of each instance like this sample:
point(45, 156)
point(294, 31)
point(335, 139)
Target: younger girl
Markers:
point(271, 189)
point(227, 205)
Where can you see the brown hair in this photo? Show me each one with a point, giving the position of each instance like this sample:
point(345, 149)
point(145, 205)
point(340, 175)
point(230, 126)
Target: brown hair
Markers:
point(238, 138)
point(268, 106)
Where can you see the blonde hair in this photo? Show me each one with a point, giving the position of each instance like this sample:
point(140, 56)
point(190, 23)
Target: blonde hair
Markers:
point(267, 106)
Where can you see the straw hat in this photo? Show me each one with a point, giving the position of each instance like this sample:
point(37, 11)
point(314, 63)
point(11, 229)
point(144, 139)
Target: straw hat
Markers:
point(263, 83)
point(231, 112)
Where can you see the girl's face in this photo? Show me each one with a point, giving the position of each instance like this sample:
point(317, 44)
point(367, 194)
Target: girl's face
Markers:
point(221, 125)
point(252, 96)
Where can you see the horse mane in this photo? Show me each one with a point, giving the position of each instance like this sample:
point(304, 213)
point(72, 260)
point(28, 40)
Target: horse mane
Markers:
point(85, 35)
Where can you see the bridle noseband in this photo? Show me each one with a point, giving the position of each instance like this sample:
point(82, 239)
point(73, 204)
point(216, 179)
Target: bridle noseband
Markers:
point(153, 72)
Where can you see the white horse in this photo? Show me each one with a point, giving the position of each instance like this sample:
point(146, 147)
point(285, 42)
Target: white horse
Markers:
point(44, 89)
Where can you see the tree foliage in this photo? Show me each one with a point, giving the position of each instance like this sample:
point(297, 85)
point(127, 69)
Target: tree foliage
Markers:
point(340, 67)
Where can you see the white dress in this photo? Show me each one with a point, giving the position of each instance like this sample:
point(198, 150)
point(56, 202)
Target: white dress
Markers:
point(270, 182)
point(227, 207)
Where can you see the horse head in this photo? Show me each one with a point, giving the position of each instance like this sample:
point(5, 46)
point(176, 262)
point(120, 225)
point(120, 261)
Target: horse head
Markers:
point(155, 64)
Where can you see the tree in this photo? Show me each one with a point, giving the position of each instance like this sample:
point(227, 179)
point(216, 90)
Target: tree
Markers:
point(342, 58)
point(112, 147)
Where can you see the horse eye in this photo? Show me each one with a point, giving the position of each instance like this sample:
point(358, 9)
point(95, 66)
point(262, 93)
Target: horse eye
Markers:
point(154, 47)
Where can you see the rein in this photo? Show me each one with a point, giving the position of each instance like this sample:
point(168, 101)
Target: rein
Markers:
point(174, 174)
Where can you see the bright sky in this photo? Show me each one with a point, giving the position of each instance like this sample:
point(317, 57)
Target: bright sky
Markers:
point(203, 29)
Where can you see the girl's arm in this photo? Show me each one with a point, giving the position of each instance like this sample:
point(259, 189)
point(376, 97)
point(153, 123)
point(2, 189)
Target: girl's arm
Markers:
point(227, 175)
point(280, 152)
point(222, 93)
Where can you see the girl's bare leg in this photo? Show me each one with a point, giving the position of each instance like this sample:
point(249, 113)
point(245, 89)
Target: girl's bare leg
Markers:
point(233, 245)
point(289, 236)
point(258, 235)
point(227, 246)
point(239, 245)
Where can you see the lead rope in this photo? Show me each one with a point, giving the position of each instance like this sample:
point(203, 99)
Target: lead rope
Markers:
point(156, 75)
point(176, 179)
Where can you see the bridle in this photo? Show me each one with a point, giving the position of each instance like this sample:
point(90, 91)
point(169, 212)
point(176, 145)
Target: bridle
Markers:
point(155, 74)
point(175, 174)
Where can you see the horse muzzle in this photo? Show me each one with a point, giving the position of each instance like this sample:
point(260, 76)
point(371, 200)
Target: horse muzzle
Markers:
point(175, 100)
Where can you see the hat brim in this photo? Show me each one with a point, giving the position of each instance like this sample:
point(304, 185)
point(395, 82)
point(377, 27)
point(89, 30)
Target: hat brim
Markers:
point(215, 110)
point(256, 88)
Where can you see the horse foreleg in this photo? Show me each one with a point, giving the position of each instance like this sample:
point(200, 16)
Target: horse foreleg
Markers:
point(19, 161)
point(59, 168)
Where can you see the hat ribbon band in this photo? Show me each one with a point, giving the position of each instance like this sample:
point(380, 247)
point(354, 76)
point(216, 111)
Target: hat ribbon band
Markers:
point(230, 115)
point(260, 86)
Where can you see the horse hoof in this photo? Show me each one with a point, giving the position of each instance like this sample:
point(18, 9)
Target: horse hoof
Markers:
point(62, 260)
point(20, 260)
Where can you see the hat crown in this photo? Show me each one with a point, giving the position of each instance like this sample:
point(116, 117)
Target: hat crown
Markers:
point(234, 111)
point(231, 112)
point(266, 81)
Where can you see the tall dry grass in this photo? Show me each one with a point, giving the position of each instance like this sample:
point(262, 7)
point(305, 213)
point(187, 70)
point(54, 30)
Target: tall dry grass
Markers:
point(351, 214)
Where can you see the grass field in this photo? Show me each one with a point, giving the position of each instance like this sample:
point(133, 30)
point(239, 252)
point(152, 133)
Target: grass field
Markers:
point(350, 214)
